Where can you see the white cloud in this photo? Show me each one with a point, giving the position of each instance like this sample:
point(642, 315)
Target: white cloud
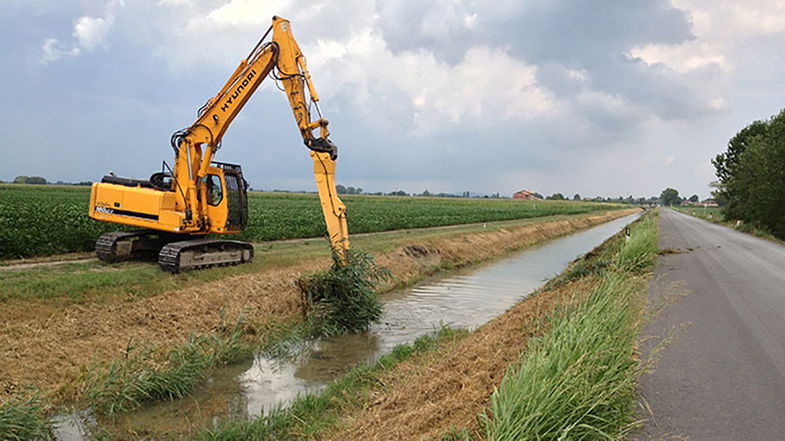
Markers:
point(88, 33)
point(682, 58)
point(51, 52)
point(417, 92)
point(245, 13)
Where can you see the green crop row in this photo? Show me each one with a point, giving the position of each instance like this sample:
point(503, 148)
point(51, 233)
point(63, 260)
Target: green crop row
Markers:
point(46, 220)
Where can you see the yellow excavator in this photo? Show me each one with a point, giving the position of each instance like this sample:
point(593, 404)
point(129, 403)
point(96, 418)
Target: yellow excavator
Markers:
point(177, 207)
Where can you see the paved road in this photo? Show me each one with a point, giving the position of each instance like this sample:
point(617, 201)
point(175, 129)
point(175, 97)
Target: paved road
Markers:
point(723, 375)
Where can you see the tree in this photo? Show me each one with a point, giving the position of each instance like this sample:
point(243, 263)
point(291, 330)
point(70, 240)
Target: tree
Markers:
point(694, 198)
point(538, 196)
point(751, 175)
point(577, 197)
point(556, 197)
point(426, 193)
point(340, 189)
point(33, 180)
point(670, 196)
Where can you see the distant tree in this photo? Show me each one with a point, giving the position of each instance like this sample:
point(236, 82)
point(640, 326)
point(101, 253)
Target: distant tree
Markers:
point(670, 196)
point(340, 189)
point(398, 193)
point(556, 197)
point(694, 198)
point(33, 180)
point(537, 195)
point(576, 197)
point(426, 193)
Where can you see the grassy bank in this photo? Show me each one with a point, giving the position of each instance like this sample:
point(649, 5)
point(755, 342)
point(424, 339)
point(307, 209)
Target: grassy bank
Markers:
point(579, 380)
point(714, 214)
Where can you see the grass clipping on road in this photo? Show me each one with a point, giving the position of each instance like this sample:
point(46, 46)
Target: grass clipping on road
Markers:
point(342, 299)
point(578, 380)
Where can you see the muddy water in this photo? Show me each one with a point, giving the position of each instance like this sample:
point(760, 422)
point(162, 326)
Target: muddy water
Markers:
point(466, 298)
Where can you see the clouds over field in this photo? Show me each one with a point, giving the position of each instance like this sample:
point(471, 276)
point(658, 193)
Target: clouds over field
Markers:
point(449, 95)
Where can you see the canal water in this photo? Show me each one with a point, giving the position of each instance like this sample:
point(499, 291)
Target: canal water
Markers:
point(466, 298)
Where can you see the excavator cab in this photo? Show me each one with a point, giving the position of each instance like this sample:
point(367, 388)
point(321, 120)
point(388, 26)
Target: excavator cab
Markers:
point(227, 198)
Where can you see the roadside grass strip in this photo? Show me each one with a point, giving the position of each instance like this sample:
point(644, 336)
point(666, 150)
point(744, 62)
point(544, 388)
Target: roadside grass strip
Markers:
point(23, 419)
point(318, 413)
point(578, 380)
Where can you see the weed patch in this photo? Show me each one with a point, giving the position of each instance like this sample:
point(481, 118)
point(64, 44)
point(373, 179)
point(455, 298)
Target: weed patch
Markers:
point(140, 376)
point(23, 419)
point(343, 298)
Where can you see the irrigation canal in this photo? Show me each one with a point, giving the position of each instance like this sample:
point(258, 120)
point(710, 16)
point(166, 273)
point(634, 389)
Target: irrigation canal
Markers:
point(466, 298)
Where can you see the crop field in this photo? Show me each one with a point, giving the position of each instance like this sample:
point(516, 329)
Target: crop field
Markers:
point(47, 220)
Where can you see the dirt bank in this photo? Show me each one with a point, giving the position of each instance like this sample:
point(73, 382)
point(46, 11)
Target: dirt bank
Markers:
point(47, 346)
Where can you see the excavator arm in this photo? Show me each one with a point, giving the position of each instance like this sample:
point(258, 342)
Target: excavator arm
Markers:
point(195, 146)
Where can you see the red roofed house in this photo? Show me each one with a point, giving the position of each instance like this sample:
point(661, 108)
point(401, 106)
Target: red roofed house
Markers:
point(525, 195)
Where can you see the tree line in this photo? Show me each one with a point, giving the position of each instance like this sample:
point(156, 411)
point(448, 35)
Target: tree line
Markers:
point(751, 175)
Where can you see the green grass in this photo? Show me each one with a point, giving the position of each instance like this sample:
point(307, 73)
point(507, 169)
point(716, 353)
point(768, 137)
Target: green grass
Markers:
point(46, 220)
point(715, 215)
point(318, 413)
point(578, 380)
point(24, 419)
point(142, 377)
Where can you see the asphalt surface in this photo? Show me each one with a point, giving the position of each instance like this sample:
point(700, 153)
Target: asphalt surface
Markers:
point(722, 375)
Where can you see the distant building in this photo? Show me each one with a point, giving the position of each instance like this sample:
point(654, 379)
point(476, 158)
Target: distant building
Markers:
point(709, 203)
point(525, 195)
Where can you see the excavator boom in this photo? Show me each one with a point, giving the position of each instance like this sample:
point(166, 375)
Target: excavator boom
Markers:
point(192, 202)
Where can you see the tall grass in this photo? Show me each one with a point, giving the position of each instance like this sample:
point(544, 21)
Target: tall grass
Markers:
point(343, 298)
point(23, 419)
point(578, 381)
point(141, 376)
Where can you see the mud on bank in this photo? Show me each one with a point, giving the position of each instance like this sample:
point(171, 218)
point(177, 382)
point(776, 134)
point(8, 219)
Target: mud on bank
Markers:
point(47, 346)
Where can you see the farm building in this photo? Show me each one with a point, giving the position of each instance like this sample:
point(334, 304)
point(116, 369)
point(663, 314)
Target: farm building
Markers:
point(525, 195)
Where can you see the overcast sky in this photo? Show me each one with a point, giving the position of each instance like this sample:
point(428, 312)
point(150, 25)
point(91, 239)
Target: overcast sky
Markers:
point(594, 97)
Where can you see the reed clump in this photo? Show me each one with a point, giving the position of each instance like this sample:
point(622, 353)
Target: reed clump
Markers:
point(343, 299)
point(578, 380)
point(143, 375)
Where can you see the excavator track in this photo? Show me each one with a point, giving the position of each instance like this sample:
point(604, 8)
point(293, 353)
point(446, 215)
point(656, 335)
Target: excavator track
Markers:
point(176, 257)
point(119, 246)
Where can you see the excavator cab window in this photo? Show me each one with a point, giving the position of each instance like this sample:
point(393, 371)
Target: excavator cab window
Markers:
point(214, 190)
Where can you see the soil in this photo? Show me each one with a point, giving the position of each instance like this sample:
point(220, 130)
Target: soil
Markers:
point(47, 346)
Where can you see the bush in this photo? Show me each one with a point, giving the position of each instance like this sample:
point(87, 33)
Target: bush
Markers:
point(343, 298)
